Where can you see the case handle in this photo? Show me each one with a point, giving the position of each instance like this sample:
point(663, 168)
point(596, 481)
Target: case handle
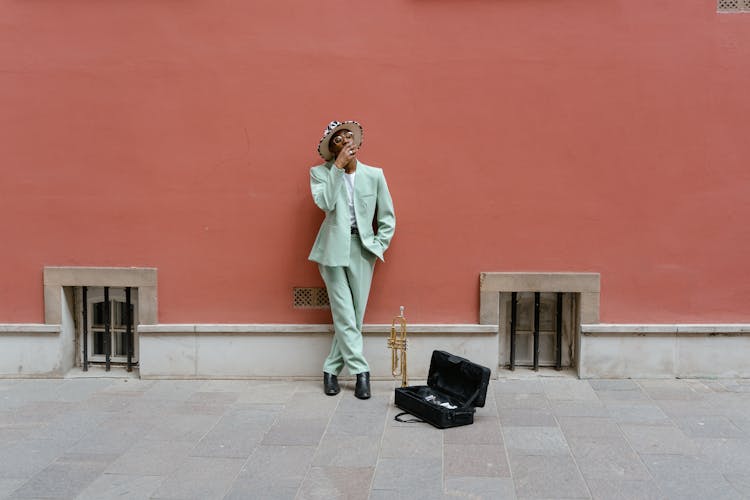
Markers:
point(412, 420)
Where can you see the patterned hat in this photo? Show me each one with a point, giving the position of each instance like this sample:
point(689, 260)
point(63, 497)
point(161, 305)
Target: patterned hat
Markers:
point(334, 127)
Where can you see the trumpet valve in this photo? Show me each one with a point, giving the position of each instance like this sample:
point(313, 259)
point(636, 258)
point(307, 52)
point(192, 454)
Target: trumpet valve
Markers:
point(397, 343)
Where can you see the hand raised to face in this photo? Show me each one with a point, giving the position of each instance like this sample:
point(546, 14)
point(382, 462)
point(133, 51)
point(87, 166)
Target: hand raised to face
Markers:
point(345, 150)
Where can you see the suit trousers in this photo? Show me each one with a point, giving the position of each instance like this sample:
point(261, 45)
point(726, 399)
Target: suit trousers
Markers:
point(348, 290)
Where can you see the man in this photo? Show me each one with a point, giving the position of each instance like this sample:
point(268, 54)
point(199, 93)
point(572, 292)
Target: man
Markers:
point(353, 197)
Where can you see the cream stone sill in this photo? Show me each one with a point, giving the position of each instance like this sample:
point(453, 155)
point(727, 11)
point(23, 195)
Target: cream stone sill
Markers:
point(295, 328)
point(707, 328)
point(143, 278)
point(585, 285)
point(24, 328)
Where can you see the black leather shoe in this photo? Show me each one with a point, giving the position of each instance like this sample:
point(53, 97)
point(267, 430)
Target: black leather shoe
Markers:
point(330, 384)
point(362, 389)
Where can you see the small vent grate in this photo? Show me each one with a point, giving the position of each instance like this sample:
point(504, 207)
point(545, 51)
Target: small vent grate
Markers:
point(733, 6)
point(310, 298)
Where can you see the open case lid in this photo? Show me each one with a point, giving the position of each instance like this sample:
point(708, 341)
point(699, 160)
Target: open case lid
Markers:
point(459, 377)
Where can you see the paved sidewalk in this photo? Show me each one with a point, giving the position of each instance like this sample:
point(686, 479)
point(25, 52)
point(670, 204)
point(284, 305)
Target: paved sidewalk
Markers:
point(536, 438)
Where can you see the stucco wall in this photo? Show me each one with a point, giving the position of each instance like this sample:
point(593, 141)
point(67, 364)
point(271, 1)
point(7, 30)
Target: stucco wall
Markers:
point(607, 137)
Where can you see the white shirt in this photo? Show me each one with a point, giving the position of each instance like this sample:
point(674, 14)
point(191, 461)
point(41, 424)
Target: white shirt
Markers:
point(349, 178)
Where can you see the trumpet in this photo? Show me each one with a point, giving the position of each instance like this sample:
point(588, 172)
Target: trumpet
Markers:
point(397, 344)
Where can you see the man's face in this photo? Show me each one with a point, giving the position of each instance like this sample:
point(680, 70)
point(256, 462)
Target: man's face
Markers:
point(340, 139)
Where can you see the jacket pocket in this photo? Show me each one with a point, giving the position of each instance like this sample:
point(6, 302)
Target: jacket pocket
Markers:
point(366, 200)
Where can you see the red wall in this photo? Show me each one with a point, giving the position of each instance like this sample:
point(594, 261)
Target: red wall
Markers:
point(517, 135)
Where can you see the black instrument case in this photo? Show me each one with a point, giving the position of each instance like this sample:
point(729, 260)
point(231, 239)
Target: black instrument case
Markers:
point(455, 386)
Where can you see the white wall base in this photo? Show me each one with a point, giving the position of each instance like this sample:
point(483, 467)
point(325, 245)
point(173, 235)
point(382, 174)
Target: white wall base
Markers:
point(30, 350)
point(260, 351)
point(284, 351)
point(665, 351)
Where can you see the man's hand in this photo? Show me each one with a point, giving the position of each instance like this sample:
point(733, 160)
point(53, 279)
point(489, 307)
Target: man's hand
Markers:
point(347, 153)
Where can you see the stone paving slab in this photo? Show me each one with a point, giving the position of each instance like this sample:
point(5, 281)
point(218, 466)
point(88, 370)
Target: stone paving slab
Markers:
point(114, 435)
point(536, 438)
point(151, 458)
point(568, 390)
point(589, 427)
point(742, 421)
point(356, 424)
point(8, 486)
point(659, 439)
point(237, 433)
point(121, 486)
point(484, 430)
point(607, 458)
point(728, 455)
point(740, 482)
point(23, 459)
point(579, 409)
point(273, 472)
point(327, 483)
point(66, 477)
point(698, 487)
point(296, 431)
point(348, 451)
point(643, 414)
point(171, 390)
point(539, 476)
point(181, 427)
point(709, 427)
point(622, 395)
point(499, 488)
point(403, 442)
point(614, 385)
point(200, 478)
point(409, 476)
point(624, 489)
point(475, 460)
point(522, 401)
point(535, 441)
point(523, 417)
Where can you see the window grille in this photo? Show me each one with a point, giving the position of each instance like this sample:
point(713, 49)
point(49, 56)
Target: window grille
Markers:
point(108, 320)
point(733, 6)
point(310, 298)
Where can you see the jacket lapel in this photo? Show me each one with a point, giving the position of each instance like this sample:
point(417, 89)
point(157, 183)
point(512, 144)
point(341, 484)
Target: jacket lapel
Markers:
point(361, 182)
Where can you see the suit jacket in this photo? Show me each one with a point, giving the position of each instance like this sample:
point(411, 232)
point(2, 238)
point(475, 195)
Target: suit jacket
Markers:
point(372, 206)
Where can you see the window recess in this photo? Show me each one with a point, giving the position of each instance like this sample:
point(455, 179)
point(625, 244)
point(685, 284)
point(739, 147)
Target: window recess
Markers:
point(107, 333)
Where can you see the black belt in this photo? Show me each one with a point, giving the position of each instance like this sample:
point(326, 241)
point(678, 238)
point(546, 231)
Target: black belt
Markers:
point(355, 230)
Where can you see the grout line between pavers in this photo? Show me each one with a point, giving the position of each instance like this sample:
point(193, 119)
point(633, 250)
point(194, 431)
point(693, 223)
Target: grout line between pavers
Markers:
point(380, 445)
point(505, 447)
point(312, 459)
point(731, 483)
point(250, 455)
point(570, 450)
point(627, 440)
point(71, 445)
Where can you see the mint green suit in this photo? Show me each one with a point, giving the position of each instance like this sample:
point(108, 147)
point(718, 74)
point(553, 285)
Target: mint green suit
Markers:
point(346, 261)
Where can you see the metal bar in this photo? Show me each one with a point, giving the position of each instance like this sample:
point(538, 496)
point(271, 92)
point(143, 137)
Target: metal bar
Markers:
point(85, 330)
point(536, 330)
point(107, 328)
point(513, 330)
point(129, 334)
point(558, 341)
